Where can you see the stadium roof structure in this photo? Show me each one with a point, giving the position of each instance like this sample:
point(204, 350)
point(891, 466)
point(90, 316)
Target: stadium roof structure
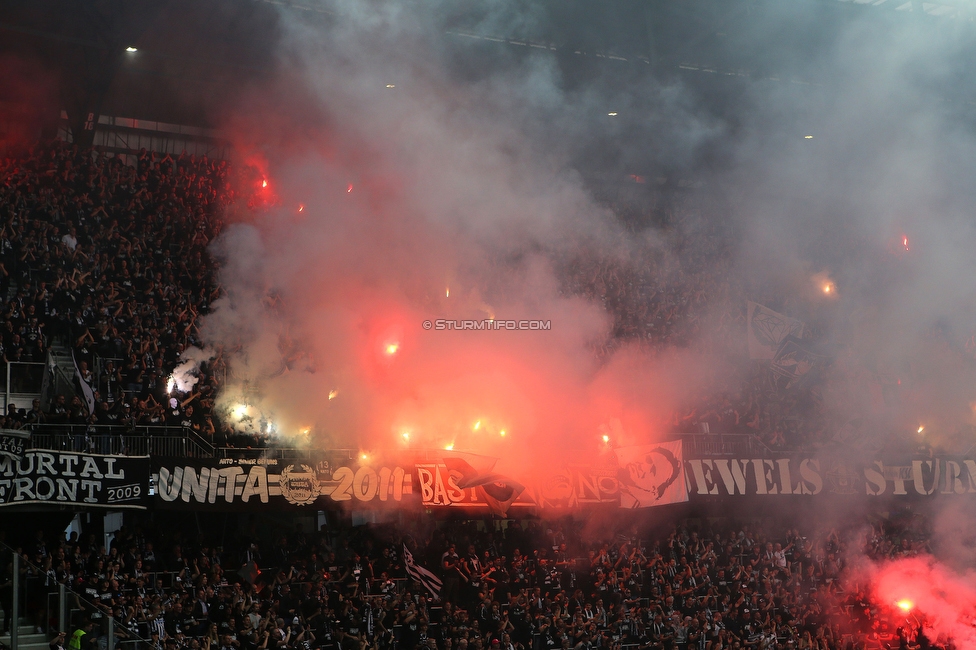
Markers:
point(208, 49)
point(189, 62)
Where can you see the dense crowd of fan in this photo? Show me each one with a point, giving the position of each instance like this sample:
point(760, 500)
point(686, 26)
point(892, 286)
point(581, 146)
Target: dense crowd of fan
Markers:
point(676, 289)
point(532, 586)
point(108, 254)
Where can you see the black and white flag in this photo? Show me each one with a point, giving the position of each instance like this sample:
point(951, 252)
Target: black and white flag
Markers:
point(420, 574)
point(86, 388)
point(766, 329)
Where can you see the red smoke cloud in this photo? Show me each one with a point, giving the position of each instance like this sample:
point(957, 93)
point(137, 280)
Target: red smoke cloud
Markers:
point(334, 299)
point(944, 600)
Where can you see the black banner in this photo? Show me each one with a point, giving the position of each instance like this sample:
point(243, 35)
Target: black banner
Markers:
point(13, 442)
point(61, 478)
point(830, 475)
point(249, 483)
point(435, 480)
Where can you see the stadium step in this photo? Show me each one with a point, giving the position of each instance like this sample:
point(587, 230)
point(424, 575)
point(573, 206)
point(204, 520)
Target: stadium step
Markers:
point(27, 638)
point(60, 357)
point(24, 626)
point(22, 644)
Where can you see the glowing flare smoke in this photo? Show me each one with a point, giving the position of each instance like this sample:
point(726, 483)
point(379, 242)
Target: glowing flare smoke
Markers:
point(944, 598)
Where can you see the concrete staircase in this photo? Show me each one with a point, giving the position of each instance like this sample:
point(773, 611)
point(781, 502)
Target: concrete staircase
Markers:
point(61, 372)
point(61, 357)
point(27, 638)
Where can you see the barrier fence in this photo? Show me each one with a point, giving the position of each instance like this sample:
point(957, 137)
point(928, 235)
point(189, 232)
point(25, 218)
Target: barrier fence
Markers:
point(37, 600)
point(121, 440)
point(174, 441)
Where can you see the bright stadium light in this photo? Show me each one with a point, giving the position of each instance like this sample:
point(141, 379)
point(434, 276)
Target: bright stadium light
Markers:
point(131, 49)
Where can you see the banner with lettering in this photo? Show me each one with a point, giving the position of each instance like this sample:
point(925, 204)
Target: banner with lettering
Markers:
point(314, 482)
point(60, 478)
point(632, 477)
point(830, 475)
point(13, 442)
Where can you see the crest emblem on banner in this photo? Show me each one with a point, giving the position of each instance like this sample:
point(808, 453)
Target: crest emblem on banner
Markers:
point(299, 487)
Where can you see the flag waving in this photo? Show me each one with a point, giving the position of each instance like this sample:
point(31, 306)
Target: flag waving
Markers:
point(421, 575)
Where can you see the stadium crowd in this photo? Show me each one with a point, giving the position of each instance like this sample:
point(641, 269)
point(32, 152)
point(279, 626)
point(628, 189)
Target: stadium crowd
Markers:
point(108, 255)
point(531, 586)
point(680, 292)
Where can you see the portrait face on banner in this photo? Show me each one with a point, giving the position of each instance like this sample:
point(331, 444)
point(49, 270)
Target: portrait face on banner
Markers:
point(651, 475)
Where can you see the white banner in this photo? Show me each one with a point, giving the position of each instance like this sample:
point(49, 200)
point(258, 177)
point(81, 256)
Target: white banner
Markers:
point(651, 475)
point(766, 329)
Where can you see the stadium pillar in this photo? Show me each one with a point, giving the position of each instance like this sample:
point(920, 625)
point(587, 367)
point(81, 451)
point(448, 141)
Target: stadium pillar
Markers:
point(62, 608)
point(15, 608)
point(110, 633)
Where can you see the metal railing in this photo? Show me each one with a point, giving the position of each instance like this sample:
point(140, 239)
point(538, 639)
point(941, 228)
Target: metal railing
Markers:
point(710, 445)
point(121, 440)
point(144, 440)
point(23, 381)
point(55, 607)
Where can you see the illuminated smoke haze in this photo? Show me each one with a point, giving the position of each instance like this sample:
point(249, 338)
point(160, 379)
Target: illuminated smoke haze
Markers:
point(384, 199)
point(921, 590)
point(427, 200)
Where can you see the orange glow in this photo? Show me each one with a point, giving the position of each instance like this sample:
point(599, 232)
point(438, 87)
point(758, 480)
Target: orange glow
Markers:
point(333, 394)
point(905, 605)
point(406, 435)
point(301, 208)
point(449, 447)
point(264, 183)
point(502, 433)
point(904, 241)
point(477, 425)
point(392, 348)
point(921, 428)
point(447, 292)
point(606, 439)
point(827, 288)
point(349, 189)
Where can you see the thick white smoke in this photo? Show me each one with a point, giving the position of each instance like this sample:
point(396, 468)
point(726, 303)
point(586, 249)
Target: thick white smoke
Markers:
point(405, 191)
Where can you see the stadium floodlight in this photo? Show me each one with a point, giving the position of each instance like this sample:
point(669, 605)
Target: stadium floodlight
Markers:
point(131, 49)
